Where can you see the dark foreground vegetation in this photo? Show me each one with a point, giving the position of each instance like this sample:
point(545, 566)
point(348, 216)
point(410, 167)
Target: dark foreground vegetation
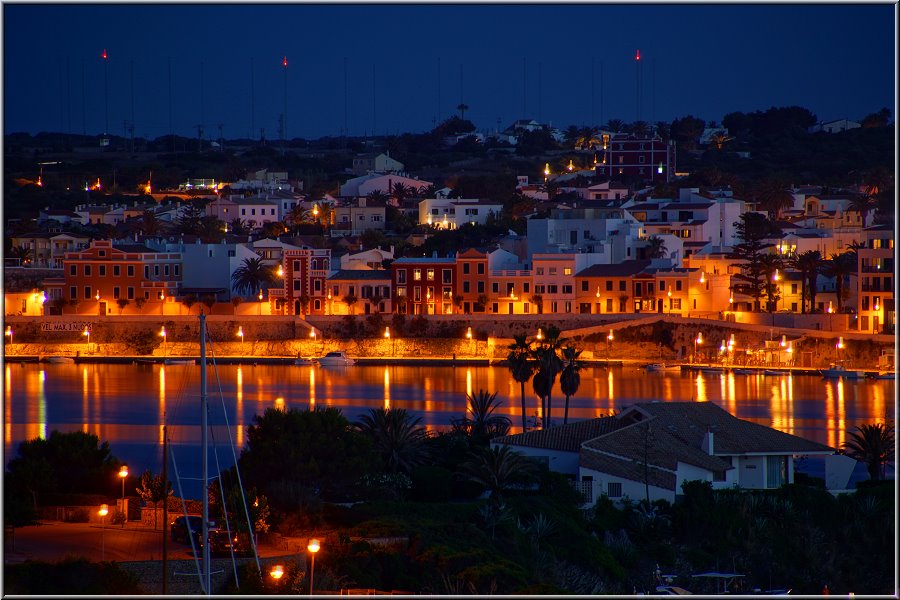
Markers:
point(397, 508)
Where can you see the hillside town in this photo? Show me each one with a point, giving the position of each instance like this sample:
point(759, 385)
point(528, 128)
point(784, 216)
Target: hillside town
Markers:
point(390, 241)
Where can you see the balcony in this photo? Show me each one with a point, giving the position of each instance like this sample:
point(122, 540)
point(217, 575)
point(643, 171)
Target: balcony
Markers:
point(510, 273)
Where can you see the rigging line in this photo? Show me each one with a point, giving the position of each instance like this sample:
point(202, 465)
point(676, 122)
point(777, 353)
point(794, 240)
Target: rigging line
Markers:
point(237, 580)
point(237, 468)
point(187, 521)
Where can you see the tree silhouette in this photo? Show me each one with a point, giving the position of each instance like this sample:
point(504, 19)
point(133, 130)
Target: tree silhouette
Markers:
point(872, 445)
point(570, 378)
point(462, 108)
point(251, 276)
point(520, 365)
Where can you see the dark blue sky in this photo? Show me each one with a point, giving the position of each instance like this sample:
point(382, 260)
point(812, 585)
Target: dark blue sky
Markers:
point(705, 60)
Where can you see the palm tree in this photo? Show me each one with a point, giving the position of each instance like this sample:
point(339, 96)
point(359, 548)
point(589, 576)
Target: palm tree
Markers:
point(720, 139)
point(872, 445)
point(520, 365)
point(251, 276)
point(400, 192)
point(497, 469)
point(809, 264)
point(769, 264)
point(570, 378)
point(483, 423)
point(839, 267)
point(656, 247)
point(22, 253)
point(863, 204)
point(615, 125)
point(462, 108)
point(397, 437)
point(238, 226)
point(377, 197)
point(549, 366)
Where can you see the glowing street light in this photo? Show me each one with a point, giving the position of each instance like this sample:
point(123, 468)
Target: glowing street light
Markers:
point(87, 332)
point(104, 510)
point(540, 334)
point(240, 334)
point(697, 342)
point(609, 338)
point(123, 473)
point(9, 332)
point(280, 271)
point(313, 548)
point(469, 337)
point(162, 334)
point(277, 572)
point(260, 297)
point(669, 294)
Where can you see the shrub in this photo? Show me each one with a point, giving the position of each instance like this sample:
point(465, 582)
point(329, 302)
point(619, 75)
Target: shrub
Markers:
point(432, 484)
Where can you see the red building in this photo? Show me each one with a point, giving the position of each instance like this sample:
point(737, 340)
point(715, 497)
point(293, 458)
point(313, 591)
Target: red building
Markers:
point(624, 155)
point(97, 277)
point(424, 286)
point(305, 272)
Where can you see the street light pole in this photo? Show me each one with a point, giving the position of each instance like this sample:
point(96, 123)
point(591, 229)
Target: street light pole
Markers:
point(241, 335)
point(123, 473)
point(9, 332)
point(313, 547)
point(104, 510)
point(162, 333)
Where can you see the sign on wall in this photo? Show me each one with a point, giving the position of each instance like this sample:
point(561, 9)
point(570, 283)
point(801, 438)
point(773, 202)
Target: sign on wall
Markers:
point(67, 326)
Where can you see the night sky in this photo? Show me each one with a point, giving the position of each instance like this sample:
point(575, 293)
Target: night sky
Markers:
point(568, 64)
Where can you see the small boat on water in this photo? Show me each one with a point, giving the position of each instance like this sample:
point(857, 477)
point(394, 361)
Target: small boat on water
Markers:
point(712, 370)
point(744, 371)
point(60, 360)
point(306, 361)
point(336, 359)
point(886, 375)
point(654, 367)
point(179, 361)
point(838, 371)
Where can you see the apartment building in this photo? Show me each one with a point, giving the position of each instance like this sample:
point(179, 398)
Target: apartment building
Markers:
point(624, 155)
point(424, 286)
point(305, 291)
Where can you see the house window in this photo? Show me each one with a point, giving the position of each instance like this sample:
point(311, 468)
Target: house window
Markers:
point(540, 271)
point(678, 285)
point(131, 293)
point(297, 285)
point(87, 270)
point(609, 305)
point(296, 265)
point(430, 274)
point(73, 292)
point(448, 277)
point(117, 270)
point(177, 270)
point(614, 489)
point(401, 275)
point(609, 285)
point(567, 271)
point(567, 289)
point(317, 305)
point(102, 270)
point(116, 293)
point(87, 292)
point(481, 268)
point(676, 303)
point(622, 286)
point(776, 471)
point(662, 286)
point(466, 268)
point(417, 274)
point(480, 285)
point(584, 286)
point(401, 291)
point(417, 294)
point(166, 270)
point(495, 287)
point(465, 287)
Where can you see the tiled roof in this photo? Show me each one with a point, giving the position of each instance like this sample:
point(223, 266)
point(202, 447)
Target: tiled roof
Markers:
point(689, 421)
point(664, 448)
point(360, 274)
point(626, 469)
point(423, 260)
point(567, 438)
point(686, 205)
point(623, 269)
point(133, 248)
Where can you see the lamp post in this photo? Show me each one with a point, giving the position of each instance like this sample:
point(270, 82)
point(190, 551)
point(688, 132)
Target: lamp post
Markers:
point(162, 333)
point(669, 295)
point(162, 303)
point(87, 332)
point(540, 335)
point(876, 317)
point(123, 474)
point(469, 337)
point(697, 342)
point(104, 510)
point(609, 338)
point(313, 547)
point(9, 332)
point(387, 336)
point(260, 297)
point(240, 334)
point(97, 298)
point(328, 306)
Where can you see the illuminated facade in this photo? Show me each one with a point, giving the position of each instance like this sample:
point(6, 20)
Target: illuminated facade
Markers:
point(623, 155)
point(424, 286)
point(305, 273)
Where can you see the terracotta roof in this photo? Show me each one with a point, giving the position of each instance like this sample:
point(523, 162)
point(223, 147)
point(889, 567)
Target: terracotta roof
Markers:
point(567, 438)
point(361, 274)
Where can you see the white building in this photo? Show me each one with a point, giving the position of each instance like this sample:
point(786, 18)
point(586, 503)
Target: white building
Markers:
point(452, 213)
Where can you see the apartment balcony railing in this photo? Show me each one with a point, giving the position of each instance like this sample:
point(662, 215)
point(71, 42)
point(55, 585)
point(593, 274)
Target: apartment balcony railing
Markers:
point(510, 273)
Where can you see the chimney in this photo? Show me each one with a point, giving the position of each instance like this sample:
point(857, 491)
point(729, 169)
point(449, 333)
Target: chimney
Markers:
point(708, 444)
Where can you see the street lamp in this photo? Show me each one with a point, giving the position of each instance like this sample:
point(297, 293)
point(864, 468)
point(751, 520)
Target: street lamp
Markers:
point(469, 337)
point(9, 332)
point(97, 298)
point(104, 510)
point(387, 336)
point(87, 332)
point(540, 335)
point(123, 473)
point(669, 294)
point(277, 572)
point(240, 334)
point(697, 341)
point(313, 547)
point(162, 303)
point(609, 338)
point(162, 333)
point(328, 307)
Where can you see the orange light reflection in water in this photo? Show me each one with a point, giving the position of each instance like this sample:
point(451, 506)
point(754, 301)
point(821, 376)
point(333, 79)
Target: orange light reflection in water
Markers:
point(312, 388)
point(162, 403)
point(701, 388)
point(239, 402)
point(387, 389)
point(7, 409)
point(841, 414)
point(830, 425)
point(85, 406)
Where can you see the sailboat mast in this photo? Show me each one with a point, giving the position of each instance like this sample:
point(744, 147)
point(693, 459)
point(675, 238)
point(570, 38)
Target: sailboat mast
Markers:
point(204, 442)
point(165, 485)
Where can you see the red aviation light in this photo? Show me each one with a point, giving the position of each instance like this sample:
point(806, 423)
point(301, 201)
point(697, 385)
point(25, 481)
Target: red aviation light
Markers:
point(637, 56)
point(103, 56)
point(285, 61)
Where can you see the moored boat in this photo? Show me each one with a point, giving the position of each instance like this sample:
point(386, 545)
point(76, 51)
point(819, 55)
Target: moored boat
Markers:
point(838, 371)
point(662, 367)
point(180, 361)
point(306, 361)
point(336, 359)
point(60, 360)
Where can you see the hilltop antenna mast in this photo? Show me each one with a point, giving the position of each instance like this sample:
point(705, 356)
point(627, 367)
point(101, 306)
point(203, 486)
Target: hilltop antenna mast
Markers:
point(68, 95)
point(252, 122)
point(83, 103)
point(639, 91)
point(438, 105)
point(284, 114)
point(374, 111)
point(346, 126)
point(105, 58)
point(524, 87)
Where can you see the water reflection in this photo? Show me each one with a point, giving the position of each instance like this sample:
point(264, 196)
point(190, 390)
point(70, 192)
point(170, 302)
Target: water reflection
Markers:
point(128, 405)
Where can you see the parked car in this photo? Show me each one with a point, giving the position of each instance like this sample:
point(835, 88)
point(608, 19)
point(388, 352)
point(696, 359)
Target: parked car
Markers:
point(220, 543)
point(179, 528)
